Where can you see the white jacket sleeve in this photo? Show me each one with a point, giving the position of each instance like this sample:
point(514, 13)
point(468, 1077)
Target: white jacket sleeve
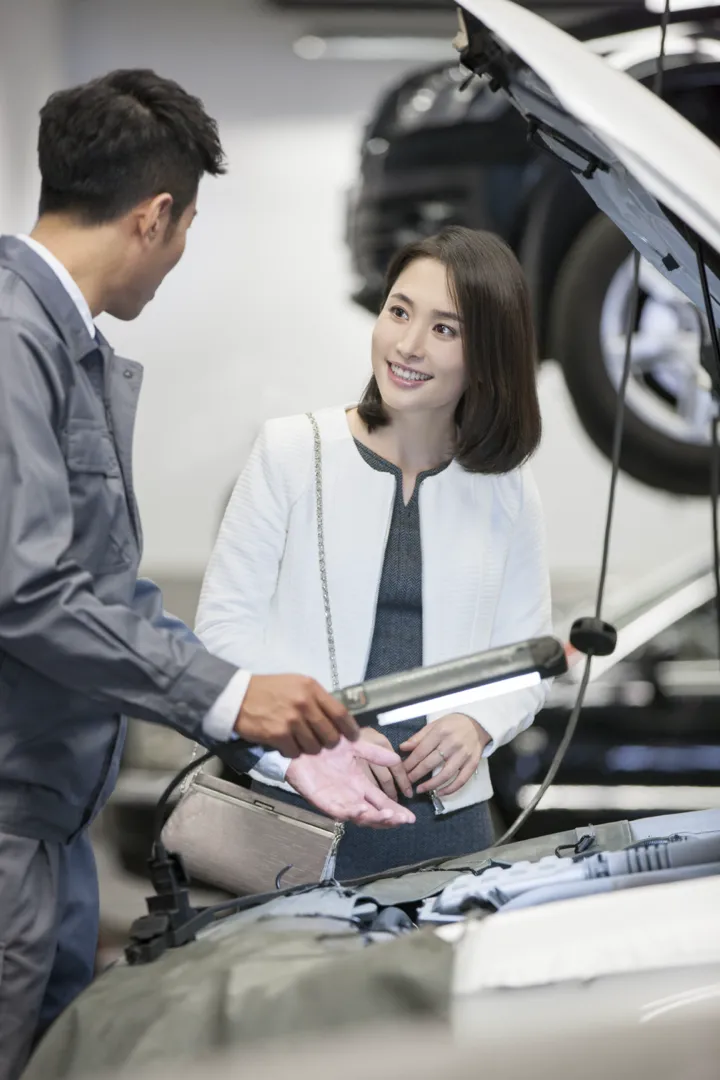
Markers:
point(242, 573)
point(523, 611)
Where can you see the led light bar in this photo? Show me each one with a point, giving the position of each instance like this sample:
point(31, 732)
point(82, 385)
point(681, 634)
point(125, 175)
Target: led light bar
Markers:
point(414, 693)
point(462, 697)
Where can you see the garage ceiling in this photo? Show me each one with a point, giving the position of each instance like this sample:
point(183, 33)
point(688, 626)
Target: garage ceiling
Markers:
point(447, 5)
point(581, 17)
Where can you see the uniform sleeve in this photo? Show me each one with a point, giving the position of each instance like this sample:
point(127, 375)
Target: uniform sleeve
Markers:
point(148, 601)
point(219, 721)
point(50, 617)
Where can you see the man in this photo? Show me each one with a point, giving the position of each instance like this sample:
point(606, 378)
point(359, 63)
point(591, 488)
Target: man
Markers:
point(82, 642)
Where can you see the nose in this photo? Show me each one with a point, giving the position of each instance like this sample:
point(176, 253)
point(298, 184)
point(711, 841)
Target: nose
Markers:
point(411, 345)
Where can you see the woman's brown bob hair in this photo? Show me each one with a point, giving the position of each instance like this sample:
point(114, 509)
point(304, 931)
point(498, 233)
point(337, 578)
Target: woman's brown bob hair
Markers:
point(498, 417)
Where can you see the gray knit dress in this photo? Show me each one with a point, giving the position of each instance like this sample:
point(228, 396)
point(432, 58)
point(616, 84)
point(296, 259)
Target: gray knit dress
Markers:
point(397, 646)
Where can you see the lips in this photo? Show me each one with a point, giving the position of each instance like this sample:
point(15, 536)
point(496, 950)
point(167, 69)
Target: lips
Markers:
point(406, 377)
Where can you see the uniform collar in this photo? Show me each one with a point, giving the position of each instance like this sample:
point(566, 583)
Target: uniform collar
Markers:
point(65, 279)
point(52, 293)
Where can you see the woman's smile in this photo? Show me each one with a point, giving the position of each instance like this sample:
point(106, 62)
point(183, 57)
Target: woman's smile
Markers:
point(406, 377)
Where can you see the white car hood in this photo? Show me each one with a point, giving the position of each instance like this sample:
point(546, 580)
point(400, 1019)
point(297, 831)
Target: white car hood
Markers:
point(652, 928)
point(657, 176)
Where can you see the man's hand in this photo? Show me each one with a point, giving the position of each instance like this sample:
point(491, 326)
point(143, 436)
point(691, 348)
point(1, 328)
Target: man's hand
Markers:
point(338, 785)
point(293, 714)
point(393, 778)
point(454, 744)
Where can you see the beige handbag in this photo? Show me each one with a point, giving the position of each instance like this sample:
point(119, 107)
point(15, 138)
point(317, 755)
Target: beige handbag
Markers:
point(245, 843)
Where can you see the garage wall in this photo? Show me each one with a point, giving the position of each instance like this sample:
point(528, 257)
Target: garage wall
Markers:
point(255, 321)
point(32, 65)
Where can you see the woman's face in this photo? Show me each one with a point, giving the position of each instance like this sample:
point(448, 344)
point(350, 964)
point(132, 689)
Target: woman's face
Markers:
point(417, 349)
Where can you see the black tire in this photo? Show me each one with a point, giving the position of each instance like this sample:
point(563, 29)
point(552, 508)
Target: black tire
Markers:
point(648, 454)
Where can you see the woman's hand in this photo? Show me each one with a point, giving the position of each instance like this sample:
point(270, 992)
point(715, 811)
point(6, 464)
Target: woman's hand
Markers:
point(337, 782)
point(390, 780)
point(455, 743)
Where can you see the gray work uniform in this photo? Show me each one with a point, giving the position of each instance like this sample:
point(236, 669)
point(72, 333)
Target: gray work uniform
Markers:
point(82, 642)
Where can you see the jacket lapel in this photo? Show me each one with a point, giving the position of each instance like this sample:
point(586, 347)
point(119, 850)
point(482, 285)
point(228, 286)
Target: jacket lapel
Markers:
point(358, 507)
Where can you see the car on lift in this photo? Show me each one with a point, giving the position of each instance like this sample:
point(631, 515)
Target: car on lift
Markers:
point(648, 740)
point(442, 148)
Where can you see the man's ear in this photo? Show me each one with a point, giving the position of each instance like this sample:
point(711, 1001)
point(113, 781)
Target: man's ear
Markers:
point(154, 217)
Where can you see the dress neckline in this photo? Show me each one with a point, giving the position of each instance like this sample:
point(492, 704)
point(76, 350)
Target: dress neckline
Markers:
point(381, 464)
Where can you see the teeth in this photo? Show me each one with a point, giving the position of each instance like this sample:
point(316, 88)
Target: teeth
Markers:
point(409, 376)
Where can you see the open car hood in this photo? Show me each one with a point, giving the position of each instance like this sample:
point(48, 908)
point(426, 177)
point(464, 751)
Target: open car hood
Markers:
point(642, 163)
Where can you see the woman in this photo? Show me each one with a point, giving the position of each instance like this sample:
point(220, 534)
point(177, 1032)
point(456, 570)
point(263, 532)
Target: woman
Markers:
point(433, 535)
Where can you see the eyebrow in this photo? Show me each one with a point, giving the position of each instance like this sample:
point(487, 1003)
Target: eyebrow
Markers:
point(435, 313)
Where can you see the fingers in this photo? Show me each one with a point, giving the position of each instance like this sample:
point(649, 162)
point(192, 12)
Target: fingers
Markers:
point(318, 728)
point(450, 768)
point(324, 732)
point(402, 780)
point(461, 779)
point(385, 815)
point(306, 739)
point(370, 818)
point(379, 755)
point(288, 747)
point(338, 715)
point(385, 781)
point(325, 722)
point(434, 760)
point(414, 740)
point(398, 815)
point(376, 755)
point(423, 748)
point(280, 710)
point(354, 812)
point(386, 767)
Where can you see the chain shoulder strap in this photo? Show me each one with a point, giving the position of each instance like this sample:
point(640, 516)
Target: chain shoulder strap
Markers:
point(322, 563)
point(328, 872)
point(194, 772)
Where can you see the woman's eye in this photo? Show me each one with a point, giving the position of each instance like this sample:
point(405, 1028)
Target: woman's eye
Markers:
point(446, 331)
point(398, 312)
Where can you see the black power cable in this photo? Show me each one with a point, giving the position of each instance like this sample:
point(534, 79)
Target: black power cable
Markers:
point(658, 84)
point(715, 452)
point(163, 801)
point(714, 495)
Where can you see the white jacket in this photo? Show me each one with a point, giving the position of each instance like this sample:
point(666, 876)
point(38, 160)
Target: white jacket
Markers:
point(485, 576)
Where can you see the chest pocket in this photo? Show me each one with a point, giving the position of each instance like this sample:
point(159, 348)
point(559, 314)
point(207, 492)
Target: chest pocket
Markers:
point(102, 531)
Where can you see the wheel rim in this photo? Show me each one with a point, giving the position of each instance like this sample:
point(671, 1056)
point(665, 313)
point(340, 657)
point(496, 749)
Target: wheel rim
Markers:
point(668, 388)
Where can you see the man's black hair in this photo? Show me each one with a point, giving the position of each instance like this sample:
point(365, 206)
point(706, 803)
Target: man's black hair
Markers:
point(108, 145)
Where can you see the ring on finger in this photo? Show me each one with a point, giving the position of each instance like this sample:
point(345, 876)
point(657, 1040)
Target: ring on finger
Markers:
point(442, 755)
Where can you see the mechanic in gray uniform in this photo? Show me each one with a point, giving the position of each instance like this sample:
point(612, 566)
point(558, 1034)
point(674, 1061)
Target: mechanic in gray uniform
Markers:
point(82, 641)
